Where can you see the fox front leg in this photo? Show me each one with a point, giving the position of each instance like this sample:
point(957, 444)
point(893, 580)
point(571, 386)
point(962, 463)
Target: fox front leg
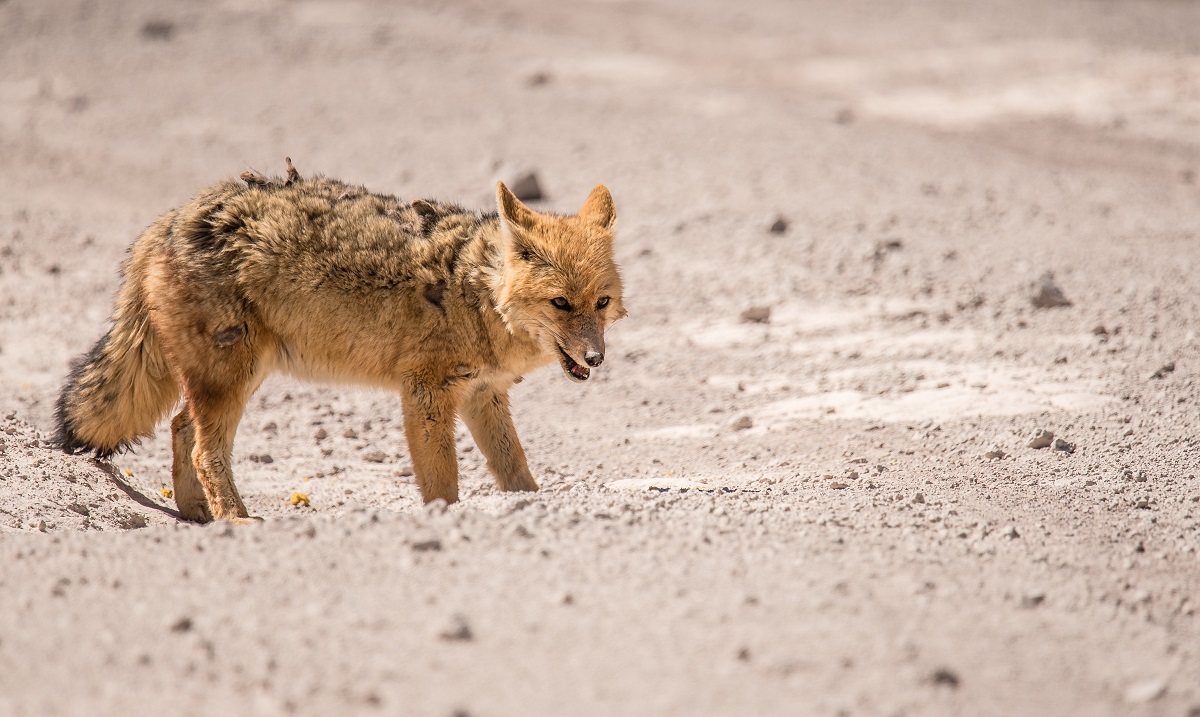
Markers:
point(429, 416)
point(486, 413)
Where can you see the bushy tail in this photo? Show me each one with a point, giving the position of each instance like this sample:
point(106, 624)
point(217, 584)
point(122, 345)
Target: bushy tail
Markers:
point(118, 391)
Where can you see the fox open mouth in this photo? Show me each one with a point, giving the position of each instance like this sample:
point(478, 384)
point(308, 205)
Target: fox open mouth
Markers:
point(573, 369)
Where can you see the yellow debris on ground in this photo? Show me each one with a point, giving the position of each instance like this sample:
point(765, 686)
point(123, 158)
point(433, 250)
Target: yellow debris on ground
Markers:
point(299, 498)
point(166, 492)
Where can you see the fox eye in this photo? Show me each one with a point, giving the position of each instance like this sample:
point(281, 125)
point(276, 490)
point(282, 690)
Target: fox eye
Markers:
point(561, 303)
point(602, 302)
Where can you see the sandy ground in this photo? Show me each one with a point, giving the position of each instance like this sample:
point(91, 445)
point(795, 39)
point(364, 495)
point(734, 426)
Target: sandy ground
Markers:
point(835, 511)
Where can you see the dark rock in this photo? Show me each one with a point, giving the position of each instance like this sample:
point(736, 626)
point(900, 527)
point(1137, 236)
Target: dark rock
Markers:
point(1163, 370)
point(1043, 439)
point(1047, 294)
point(756, 315)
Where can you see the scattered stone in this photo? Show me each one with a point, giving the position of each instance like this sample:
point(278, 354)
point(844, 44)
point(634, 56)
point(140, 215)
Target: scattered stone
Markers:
point(426, 546)
point(1100, 330)
point(995, 454)
point(458, 630)
point(919, 498)
point(1010, 532)
point(183, 624)
point(271, 427)
point(161, 30)
point(375, 456)
point(1064, 446)
point(743, 423)
point(132, 521)
point(1043, 439)
point(349, 433)
point(1163, 370)
point(320, 435)
point(538, 79)
point(778, 225)
point(743, 654)
point(1033, 599)
point(1047, 294)
point(838, 485)
point(756, 315)
point(1142, 503)
point(521, 181)
point(944, 677)
point(1146, 690)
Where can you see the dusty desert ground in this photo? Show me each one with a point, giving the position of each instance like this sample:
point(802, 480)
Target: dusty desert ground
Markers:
point(834, 511)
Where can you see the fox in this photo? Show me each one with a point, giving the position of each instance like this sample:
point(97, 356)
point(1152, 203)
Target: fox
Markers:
point(327, 281)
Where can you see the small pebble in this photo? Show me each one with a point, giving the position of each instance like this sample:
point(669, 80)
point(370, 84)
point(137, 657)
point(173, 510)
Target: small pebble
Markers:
point(944, 677)
point(1163, 370)
point(425, 546)
point(756, 315)
point(1043, 439)
point(743, 423)
point(779, 225)
point(1047, 294)
point(1146, 690)
point(1064, 446)
point(1032, 600)
point(375, 456)
point(521, 181)
point(457, 631)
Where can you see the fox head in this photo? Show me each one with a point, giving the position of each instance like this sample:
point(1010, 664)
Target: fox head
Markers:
point(559, 281)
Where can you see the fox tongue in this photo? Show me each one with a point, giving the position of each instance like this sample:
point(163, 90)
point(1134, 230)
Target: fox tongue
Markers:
point(580, 371)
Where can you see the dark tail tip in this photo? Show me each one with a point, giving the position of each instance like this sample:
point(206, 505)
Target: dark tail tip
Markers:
point(65, 437)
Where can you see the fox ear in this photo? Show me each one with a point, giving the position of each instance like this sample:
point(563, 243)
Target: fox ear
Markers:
point(512, 210)
point(598, 208)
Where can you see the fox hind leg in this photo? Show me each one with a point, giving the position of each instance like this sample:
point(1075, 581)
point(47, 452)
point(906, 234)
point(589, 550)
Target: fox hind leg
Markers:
point(189, 494)
point(214, 421)
point(487, 415)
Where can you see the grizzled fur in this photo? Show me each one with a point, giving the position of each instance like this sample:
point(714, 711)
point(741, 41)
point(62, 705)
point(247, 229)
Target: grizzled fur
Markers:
point(327, 281)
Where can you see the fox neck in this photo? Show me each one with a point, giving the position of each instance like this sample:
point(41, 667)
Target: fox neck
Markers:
point(494, 280)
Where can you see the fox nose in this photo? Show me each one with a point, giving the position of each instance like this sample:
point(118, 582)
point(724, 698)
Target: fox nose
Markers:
point(593, 358)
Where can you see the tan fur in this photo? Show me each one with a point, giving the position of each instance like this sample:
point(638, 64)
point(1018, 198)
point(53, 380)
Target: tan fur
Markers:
point(324, 280)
